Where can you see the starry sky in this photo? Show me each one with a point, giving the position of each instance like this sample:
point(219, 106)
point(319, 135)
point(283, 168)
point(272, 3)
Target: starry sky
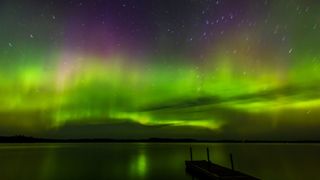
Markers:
point(206, 69)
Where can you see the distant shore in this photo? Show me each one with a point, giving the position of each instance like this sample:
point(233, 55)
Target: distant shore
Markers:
point(27, 139)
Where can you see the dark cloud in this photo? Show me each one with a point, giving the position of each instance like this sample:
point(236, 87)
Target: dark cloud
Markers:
point(297, 92)
point(127, 130)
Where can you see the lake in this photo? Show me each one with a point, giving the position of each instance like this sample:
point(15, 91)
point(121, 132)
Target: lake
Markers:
point(153, 160)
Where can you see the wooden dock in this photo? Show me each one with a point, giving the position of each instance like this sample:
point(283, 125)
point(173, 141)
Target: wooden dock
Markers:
point(207, 170)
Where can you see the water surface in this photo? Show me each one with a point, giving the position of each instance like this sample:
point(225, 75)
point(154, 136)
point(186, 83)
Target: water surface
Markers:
point(153, 160)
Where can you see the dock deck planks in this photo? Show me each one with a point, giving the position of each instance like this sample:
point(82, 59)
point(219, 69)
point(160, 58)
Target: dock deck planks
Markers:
point(208, 170)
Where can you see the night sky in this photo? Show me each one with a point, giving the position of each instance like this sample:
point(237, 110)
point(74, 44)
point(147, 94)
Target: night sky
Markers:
point(210, 69)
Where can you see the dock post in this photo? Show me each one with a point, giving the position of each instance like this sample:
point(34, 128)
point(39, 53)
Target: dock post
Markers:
point(190, 153)
point(208, 155)
point(231, 160)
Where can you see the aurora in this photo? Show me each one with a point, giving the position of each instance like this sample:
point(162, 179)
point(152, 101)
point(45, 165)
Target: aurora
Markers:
point(186, 69)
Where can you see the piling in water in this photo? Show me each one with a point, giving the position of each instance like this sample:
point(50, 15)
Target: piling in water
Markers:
point(231, 161)
point(208, 155)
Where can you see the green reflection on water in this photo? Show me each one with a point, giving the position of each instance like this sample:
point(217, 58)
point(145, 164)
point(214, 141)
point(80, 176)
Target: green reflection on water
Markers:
point(141, 164)
point(49, 164)
point(138, 166)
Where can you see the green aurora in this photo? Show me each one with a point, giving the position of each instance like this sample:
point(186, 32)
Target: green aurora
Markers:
point(259, 81)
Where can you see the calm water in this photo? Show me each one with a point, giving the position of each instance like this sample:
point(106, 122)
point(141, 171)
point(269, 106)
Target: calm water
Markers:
point(153, 160)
